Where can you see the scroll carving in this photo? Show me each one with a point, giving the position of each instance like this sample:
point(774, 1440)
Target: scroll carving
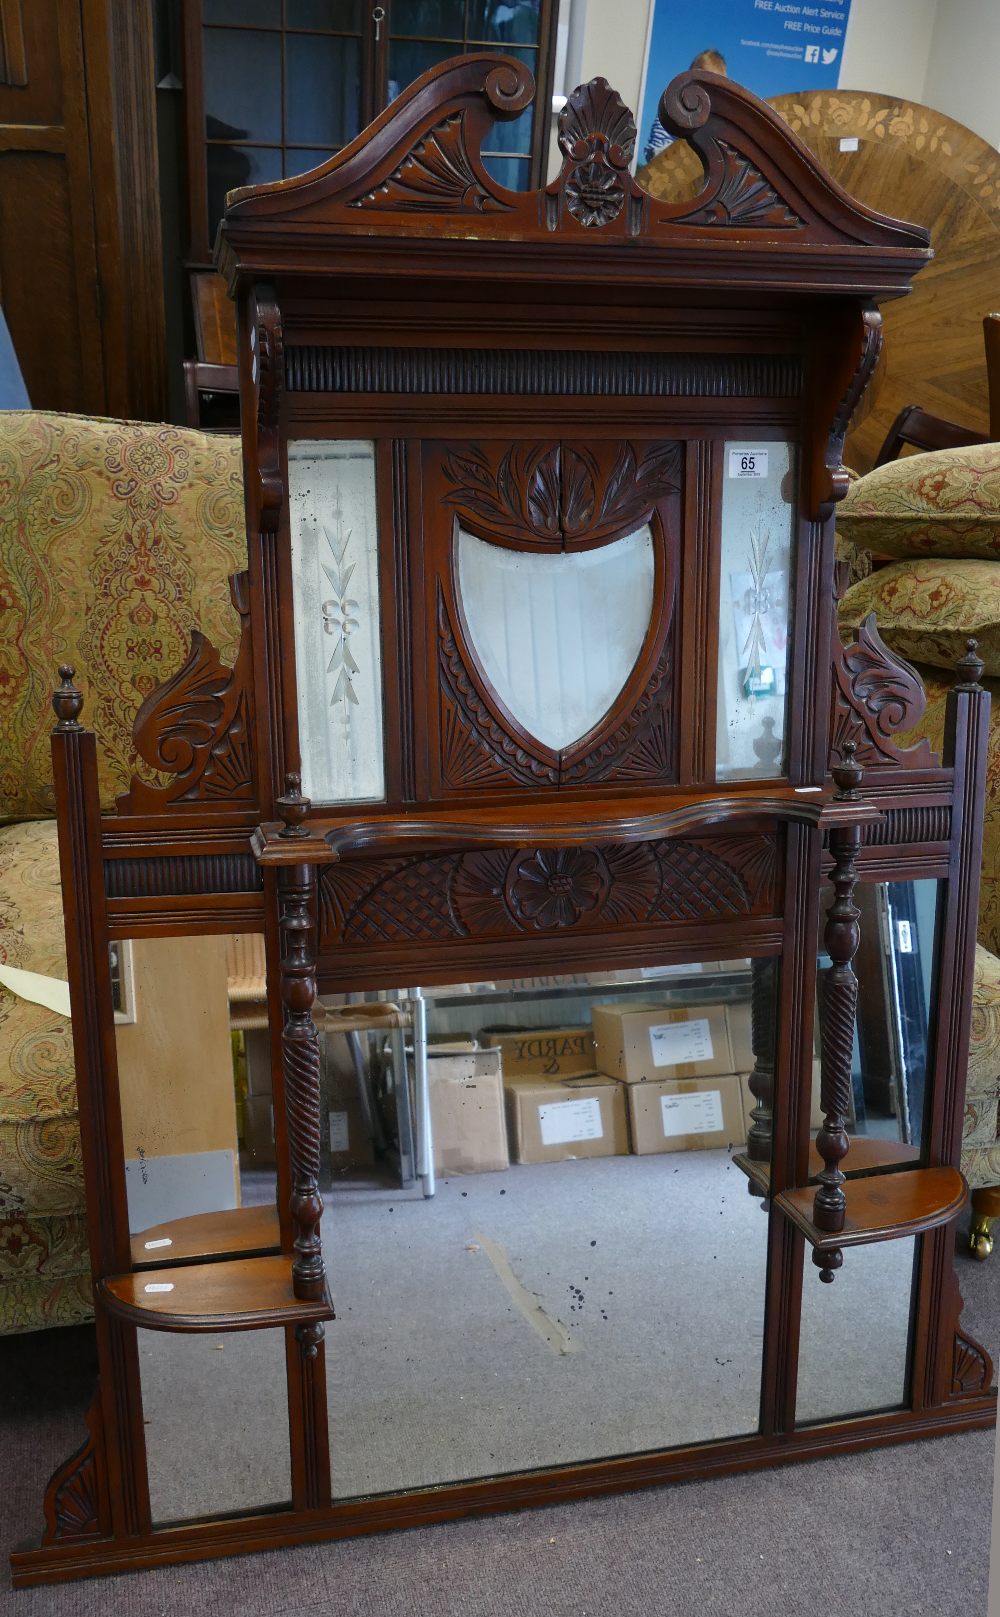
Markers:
point(500, 892)
point(554, 493)
point(198, 727)
point(875, 693)
point(74, 1506)
point(267, 366)
point(830, 480)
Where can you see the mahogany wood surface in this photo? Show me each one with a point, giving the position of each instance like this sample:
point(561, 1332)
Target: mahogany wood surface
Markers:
point(881, 1207)
point(204, 1237)
point(868, 1154)
point(238, 1294)
point(924, 166)
point(636, 338)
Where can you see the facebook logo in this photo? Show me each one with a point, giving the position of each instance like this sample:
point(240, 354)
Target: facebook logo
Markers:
point(812, 53)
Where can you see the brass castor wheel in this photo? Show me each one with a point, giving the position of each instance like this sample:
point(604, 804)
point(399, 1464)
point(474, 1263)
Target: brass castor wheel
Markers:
point(981, 1244)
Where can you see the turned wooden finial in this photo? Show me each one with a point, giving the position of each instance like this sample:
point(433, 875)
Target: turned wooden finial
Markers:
point(847, 773)
point(292, 807)
point(67, 700)
point(969, 668)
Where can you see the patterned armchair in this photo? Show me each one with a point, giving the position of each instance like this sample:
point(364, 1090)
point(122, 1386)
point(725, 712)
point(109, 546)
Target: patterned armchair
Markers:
point(938, 516)
point(116, 538)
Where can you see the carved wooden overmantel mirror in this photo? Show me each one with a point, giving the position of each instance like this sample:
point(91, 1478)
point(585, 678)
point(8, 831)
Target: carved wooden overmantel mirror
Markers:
point(542, 754)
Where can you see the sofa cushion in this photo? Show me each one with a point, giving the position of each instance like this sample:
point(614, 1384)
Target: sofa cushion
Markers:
point(38, 1302)
point(41, 1170)
point(942, 504)
point(927, 609)
point(116, 539)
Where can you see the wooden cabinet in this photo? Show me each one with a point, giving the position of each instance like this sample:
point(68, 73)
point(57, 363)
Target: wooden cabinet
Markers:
point(540, 606)
point(80, 264)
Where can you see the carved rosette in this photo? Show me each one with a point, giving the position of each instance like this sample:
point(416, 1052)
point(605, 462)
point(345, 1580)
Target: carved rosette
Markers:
point(504, 892)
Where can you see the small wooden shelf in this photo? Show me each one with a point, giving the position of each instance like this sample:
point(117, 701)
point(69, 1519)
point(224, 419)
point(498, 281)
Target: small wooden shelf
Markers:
point(885, 1207)
point(241, 1294)
point(866, 1156)
point(242, 1232)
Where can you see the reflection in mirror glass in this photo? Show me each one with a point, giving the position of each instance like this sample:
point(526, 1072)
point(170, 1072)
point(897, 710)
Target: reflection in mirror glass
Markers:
point(853, 1356)
point(588, 1278)
point(755, 607)
point(194, 1076)
point(216, 1422)
point(890, 1070)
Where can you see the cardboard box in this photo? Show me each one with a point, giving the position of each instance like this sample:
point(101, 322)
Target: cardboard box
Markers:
point(645, 1043)
point(467, 1113)
point(257, 1044)
point(347, 1137)
point(686, 1114)
point(545, 1052)
point(553, 1122)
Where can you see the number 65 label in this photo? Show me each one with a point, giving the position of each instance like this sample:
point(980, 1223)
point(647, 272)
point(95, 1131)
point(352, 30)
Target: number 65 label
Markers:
point(748, 463)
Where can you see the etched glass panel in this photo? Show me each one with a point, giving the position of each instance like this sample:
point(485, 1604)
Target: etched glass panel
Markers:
point(557, 635)
point(755, 608)
point(335, 594)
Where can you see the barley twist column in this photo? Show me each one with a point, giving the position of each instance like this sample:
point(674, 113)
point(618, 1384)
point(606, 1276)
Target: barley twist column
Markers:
point(840, 1001)
point(300, 1051)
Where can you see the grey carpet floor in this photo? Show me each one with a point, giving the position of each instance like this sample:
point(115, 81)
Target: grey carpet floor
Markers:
point(631, 1318)
point(893, 1531)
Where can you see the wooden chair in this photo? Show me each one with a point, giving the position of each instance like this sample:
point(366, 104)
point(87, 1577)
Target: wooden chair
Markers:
point(213, 375)
point(922, 431)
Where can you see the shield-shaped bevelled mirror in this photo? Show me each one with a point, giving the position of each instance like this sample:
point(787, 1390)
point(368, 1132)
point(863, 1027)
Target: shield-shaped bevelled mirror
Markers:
point(555, 579)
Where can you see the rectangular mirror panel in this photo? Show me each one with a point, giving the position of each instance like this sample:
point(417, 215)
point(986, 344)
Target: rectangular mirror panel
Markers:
point(337, 619)
point(759, 505)
point(588, 1279)
point(854, 1352)
point(216, 1422)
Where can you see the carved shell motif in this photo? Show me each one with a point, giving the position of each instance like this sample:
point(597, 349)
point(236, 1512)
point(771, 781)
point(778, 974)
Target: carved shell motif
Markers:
point(597, 134)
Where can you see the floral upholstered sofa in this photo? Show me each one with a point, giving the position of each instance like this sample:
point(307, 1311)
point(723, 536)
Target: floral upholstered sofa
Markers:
point(937, 516)
point(116, 538)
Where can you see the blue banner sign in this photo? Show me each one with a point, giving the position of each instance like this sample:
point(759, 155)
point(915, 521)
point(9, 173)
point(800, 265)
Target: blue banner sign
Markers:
point(770, 46)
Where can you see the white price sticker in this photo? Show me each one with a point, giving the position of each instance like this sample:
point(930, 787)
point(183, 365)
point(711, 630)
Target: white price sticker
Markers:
point(697, 1113)
point(564, 1121)
point(678, 1044)
point(748, 463)
point(340, 1132)
point(159, 1285)
point(165, 1240)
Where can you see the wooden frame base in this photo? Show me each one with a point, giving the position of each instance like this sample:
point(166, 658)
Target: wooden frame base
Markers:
point(207, 1540)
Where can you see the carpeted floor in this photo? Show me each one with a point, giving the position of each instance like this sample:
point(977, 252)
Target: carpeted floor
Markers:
point(896, 1531)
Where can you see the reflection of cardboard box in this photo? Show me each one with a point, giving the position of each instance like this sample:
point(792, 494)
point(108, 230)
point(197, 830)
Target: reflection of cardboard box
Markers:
point(545, 1052)
point(734, 965)
point(258, 1130)
point(347, 1136)
point(642, 1043)
point(552, 1122)
point(257, 1043)
point(467, 1113)
point(685, 1114)
point(738, 1021)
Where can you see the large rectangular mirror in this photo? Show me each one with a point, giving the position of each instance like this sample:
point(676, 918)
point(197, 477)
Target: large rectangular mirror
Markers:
point(589, 1277)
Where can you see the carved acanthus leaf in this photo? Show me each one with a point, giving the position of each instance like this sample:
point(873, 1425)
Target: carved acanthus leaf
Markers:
point(743, 196)
point(875, 694)
point(438, 175)
point(198, 727)
point(554, 491)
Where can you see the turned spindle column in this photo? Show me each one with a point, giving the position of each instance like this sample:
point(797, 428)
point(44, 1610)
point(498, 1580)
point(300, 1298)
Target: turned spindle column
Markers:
point(300, 1054)
point(840, 1001)
point(762, 1016)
